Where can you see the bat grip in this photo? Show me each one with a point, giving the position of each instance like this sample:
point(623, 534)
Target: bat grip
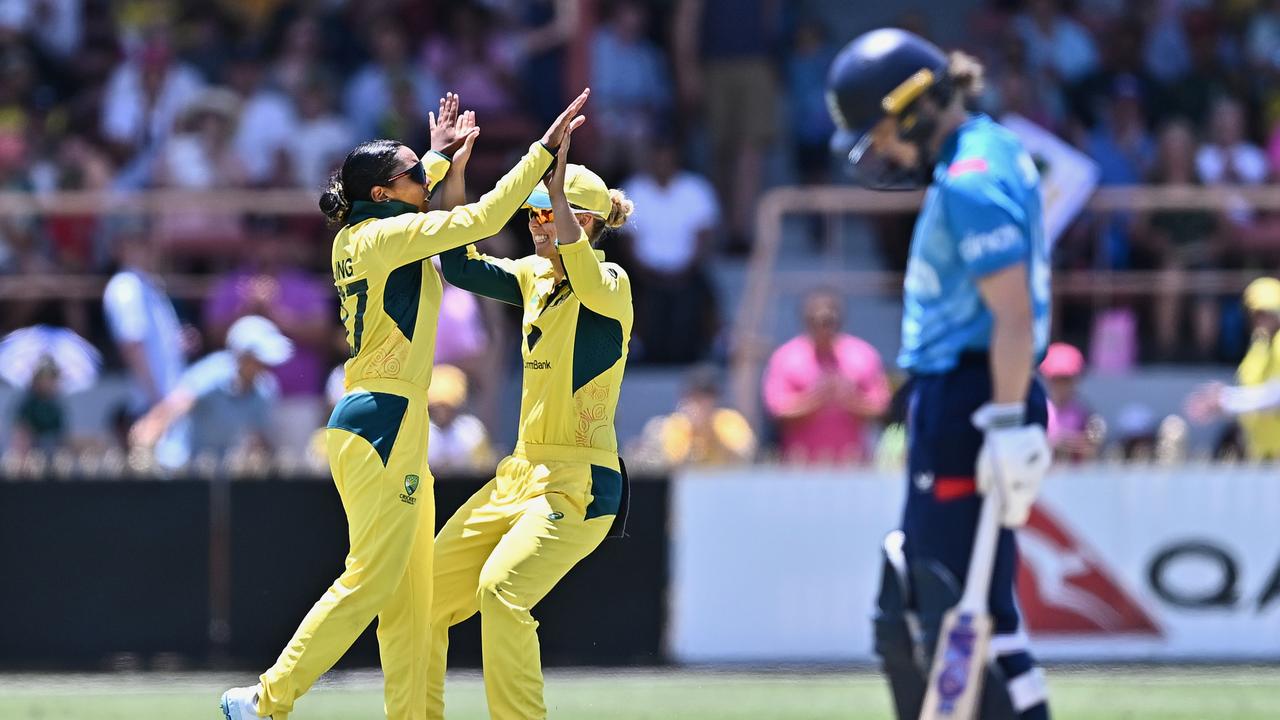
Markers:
point(977, 584)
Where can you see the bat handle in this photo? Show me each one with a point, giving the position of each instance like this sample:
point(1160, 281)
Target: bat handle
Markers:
point(977, 585)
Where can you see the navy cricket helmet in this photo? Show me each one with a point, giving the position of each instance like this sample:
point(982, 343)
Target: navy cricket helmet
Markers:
point(884, 73)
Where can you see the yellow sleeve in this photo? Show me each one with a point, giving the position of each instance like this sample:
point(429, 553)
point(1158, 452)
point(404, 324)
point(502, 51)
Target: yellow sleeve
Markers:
point(416, 236)
point(437, 166)
point(602, 288)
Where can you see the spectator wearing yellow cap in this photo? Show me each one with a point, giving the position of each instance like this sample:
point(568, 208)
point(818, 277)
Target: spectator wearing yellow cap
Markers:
point(700, 432)
point(458, 439)
point(1255, 400)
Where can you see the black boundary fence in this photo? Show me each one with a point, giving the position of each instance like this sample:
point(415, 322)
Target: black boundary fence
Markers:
point(218, 573)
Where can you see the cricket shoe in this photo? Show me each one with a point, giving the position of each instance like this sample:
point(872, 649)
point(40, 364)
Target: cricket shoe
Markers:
point(241, 703)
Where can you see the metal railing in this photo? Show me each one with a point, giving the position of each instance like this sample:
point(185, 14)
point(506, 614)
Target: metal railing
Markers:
point(765, 282)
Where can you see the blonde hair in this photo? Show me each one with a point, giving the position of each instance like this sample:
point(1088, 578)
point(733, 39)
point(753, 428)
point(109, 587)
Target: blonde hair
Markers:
point(966, 73)
point(620, 209)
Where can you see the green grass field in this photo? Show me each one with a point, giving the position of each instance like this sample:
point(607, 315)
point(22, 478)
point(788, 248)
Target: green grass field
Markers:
point(1208, 693)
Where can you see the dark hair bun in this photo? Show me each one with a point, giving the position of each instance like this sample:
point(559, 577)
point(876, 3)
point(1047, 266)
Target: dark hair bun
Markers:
point(334, 203)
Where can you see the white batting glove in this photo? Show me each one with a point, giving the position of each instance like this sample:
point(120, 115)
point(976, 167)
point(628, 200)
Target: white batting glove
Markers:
point(1014, 454)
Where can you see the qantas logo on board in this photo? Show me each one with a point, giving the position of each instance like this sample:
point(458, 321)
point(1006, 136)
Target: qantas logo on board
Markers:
point(1064, 588)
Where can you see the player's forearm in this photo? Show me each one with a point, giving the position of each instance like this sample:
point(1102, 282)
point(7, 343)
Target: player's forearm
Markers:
point(437, 166)
point(1239, 400)
point(1012, 356)
point(1006, 294)
point(468, 270)
point(452, 190)
point(434, 232)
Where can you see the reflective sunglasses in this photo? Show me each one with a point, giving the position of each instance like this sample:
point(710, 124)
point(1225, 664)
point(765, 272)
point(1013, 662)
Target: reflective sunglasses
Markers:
point(416, 173)
point(542, 216)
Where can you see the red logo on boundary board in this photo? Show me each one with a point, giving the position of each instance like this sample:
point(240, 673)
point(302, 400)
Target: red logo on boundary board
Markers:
point(1064, 588)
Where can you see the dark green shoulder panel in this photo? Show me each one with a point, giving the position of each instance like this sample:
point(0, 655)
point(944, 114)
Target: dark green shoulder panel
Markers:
point(402, 296)
point(596, 346)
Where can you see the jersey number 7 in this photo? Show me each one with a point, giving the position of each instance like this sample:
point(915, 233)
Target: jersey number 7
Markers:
point(360, 289)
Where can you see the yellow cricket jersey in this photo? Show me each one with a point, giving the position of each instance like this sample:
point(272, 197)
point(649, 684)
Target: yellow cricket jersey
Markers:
point(574, 341)
point(390, 295)
point(1261, 429)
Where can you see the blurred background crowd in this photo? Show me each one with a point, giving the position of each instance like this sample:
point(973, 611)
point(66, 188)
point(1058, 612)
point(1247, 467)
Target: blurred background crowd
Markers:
point(698, 107)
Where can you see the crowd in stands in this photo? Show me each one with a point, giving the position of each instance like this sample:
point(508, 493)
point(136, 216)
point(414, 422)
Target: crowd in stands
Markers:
point(692, 100)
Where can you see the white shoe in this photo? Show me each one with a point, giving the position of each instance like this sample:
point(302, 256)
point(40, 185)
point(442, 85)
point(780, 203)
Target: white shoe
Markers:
point(241, 703)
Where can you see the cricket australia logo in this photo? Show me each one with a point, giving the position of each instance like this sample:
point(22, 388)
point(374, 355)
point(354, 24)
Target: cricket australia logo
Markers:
point(410, 487)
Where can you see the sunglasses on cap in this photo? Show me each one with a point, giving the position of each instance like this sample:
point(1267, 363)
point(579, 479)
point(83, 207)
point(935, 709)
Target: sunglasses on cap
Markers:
point(416, 173)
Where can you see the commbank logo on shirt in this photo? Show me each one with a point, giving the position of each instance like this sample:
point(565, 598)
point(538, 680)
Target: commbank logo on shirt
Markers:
point(537, 365)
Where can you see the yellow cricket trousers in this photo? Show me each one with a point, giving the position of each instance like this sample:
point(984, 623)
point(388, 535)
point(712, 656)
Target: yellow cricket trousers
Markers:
point(377, 446)
point(547, 508)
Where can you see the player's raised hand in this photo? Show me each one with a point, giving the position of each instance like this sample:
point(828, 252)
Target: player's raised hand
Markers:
point(468, 131)
point(566, 123)
point(445, 137)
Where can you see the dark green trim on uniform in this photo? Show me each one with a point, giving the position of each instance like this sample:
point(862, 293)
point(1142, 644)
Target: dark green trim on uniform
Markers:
point(597, 345)
point(362, 210)
point(606, 492)
point(480, 277)
point(374, 416)
point(535, 334)
point(401, 296)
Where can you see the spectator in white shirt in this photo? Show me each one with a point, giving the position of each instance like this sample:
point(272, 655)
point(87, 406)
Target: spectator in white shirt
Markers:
point(228, 396)
point(145, 328)
point(676, 315)
point(266, 125)
point(201, 156)
point(322, 138)
point(144, 324)
point(145, 96)
point(1227, 157)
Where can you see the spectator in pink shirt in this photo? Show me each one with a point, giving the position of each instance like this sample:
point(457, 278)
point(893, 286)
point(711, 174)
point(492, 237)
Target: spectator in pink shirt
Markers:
point(823, 387)
point(1074, 430)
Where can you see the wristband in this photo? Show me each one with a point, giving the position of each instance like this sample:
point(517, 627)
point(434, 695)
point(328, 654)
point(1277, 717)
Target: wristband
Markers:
point(994, 417)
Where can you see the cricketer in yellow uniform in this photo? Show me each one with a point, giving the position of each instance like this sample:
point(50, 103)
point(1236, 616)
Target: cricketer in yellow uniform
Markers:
point(377, 438)
point(556, 497)
point(1261, 365)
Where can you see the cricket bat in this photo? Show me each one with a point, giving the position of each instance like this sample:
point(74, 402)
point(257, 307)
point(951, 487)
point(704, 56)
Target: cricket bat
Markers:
point(955, 681)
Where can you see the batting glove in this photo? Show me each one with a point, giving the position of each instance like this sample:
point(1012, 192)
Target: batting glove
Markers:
point(1013, 454)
